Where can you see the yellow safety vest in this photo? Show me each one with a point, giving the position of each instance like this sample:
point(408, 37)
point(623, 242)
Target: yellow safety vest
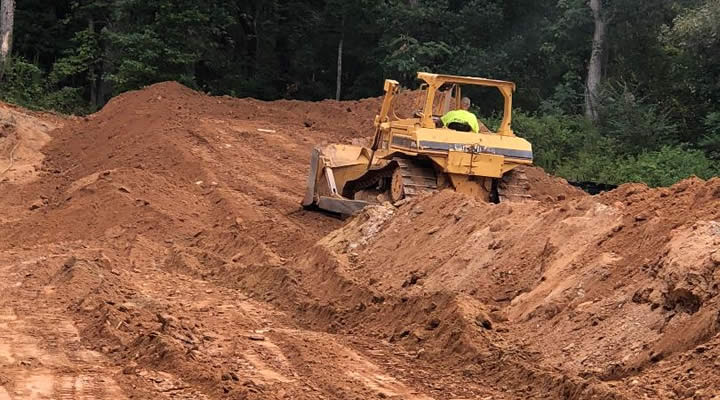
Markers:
point(463, 117)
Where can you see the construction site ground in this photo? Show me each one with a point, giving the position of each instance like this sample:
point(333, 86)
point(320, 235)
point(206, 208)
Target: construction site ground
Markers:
point(157, 250)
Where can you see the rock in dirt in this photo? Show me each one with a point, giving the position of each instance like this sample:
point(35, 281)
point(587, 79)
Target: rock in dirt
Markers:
point(483, 320)
point(432, 324)
point(130, 368)
point(69, 263)
point(36, 204)
point(401, 202)
point(641, 217)
point(125, 307)
point(166, 320)
point(715, 257)
point(412, 280)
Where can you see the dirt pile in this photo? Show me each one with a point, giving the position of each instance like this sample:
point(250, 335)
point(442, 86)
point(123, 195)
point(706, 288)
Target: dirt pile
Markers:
point(22, 135)
point(161, 185)
point(601, 287)
point(164, 238)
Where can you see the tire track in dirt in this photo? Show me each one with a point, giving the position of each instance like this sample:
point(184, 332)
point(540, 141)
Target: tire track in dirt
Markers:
point(41, 355)
point(247, 340)
point(256, 336)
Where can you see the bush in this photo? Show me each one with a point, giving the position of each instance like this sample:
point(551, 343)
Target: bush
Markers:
point(638, 126)
point(569, 146)
point(22, 84)
point(664, 167)
point(67, 100)
point(568, 96)
point(563, 143)
point(710, 142)
point(25, 84)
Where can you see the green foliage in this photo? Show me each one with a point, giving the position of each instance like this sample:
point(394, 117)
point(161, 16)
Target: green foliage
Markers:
point(66, 100)
point(691, 44)
point(567, 145)
point(658, 110)
point(567, 97)
point(158, 40)
point(409, 56)
point(77, 59)
point(697, 27)
point(22, 83)
point(25, 84)
point(661, 168)
point(638, 126)
point(558, 139)
point(710, 141)
point(571, 147)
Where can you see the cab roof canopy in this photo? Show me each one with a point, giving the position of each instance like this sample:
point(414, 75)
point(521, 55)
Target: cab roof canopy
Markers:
point(439, 80)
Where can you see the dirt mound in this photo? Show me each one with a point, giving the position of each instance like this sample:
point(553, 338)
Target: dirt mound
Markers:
point(166, 241)
point(634, 270)
point(536, 184)
point(22, 135)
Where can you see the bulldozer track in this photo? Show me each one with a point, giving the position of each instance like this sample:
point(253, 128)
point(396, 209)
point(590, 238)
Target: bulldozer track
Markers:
point(416, 178)
point(370, 179)
point(514, 185)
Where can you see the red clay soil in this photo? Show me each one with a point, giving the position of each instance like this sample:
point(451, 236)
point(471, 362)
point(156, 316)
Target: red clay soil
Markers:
point(160, 251)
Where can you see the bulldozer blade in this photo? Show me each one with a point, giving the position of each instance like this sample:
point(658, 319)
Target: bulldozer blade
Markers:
point(309, 198)
point(341, 206)
point(337, 204)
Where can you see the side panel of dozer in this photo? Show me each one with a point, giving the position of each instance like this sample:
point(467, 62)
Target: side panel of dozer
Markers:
point(330, 168)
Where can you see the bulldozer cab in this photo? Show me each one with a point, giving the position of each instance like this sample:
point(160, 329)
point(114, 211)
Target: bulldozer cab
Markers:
point(439, 94)
point(447, 98)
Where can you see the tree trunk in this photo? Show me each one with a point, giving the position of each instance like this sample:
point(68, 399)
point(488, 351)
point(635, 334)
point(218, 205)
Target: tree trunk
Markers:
point(256, 30)
point(91, 70)
point(7, 19)
point(339, 66)
point(99, 83)
point(595, 67)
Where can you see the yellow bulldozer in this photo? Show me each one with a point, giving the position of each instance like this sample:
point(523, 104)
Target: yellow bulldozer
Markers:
point(416, 154)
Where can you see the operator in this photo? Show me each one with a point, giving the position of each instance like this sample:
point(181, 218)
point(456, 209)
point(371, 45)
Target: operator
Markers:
point(461, 120)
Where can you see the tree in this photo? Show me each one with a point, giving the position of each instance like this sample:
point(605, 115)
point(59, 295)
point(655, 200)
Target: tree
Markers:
point(339, 60)
point(692, 41)
point(597, 57)
point(7, 20)
point(82, 66)
point(156, 41)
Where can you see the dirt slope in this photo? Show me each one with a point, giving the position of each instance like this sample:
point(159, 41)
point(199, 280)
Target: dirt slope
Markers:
point(607, 288)
point(161, 252)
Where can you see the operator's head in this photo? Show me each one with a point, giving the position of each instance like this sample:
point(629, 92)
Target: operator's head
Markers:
point(465, 103)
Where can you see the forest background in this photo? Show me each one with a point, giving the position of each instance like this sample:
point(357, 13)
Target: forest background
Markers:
point(609, 91)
